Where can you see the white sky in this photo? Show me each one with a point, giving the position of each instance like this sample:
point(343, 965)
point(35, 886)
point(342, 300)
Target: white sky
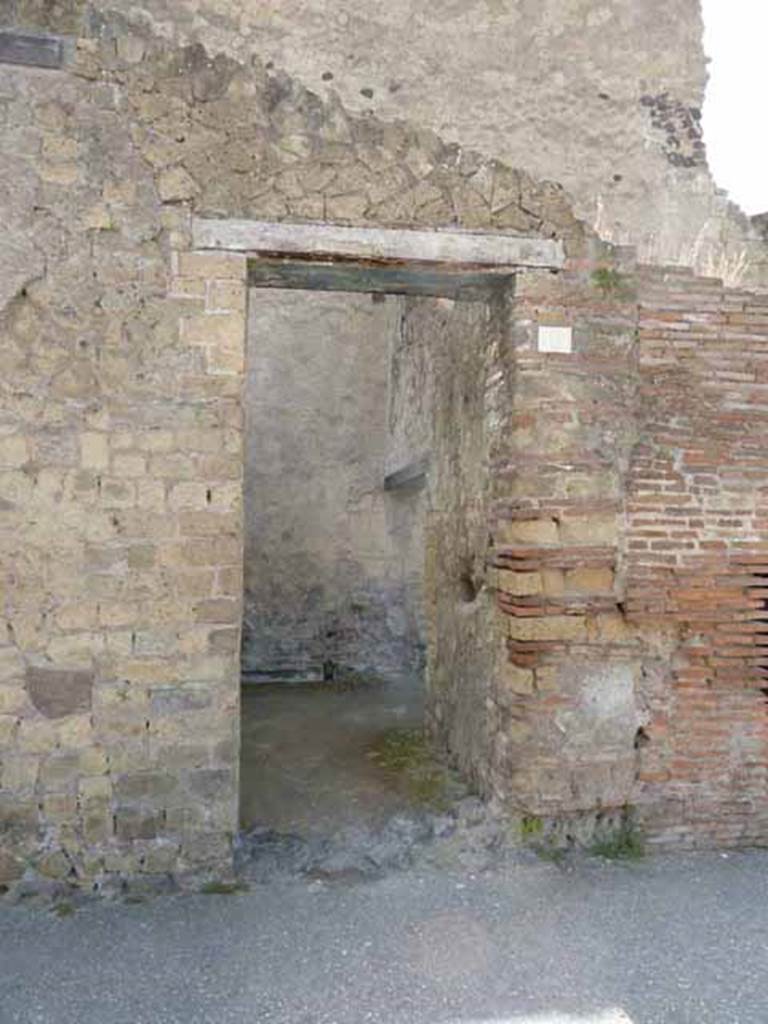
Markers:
point(735, 122)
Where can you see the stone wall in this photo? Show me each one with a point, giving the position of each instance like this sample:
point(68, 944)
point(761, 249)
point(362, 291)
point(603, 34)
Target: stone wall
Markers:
point(568, 703)
point(121, 462)
point(465, 632)
point(604, 98)
point(121, 449)
point(325, 581)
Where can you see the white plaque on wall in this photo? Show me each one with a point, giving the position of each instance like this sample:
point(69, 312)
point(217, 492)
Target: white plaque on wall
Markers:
point(555, 339)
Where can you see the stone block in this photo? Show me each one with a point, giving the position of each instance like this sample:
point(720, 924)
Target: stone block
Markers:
point(75, 731)
point(59, 692)
point(130, 466)
point(171, 700)
point(553, 627)
point(224, 641)
point(94, 450)
point(229, 582)
point(221, 609)
point(161, 858)
point(195, 584)
point(9, 725)
point(226, 296)
point(60, 808)
point(519, 584)
point(208, 523)
point(133, 823)
point(214, 330)
point(18, 773)
point(60, 148)
point(97, 787)
point(230, 360)
point(553, 581)
point(616, 629)
point(19, 814)
point(518, 680)
point(11, 868)
point(32, 50)
point(547, 678)
point(216, 551)
point(59, 771)
point(55, 864)
point(118, 613)
point(208, 849)
point(97, 821)
point(527, 531)
point(190, 288)
point(212, 783)
point(99, 218)
point(589, 581)
point(61, 174)
point(14, 451)
point(150, 495)
point(598, 530)
point(37, 735)
point(213, 266)
point(11, 664)
point(93, 760)
point(144, 786)
point(75, 649)
point(80, 616)
point(189, 494)
point(175, 184)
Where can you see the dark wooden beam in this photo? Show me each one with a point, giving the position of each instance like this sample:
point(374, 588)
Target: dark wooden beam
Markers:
point(268, 676)
point(34, 51)
point(362, 276)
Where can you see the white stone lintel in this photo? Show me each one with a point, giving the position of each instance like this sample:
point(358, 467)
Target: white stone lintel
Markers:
point(447, 247)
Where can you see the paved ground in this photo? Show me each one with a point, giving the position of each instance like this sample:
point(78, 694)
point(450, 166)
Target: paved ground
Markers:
point(663, 940)
point(306, 766)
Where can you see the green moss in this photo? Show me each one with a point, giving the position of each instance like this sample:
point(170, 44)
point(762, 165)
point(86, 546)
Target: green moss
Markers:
point(608, 280)
point(223, 888)
point(624, 843)
point(407, 756)
point(531, 826)
point(63, 908)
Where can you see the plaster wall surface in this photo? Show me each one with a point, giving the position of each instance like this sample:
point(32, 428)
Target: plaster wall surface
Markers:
point(323, 573)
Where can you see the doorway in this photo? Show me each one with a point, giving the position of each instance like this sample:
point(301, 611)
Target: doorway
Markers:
point(403, 566)
point(367, 440)
point(333, 632)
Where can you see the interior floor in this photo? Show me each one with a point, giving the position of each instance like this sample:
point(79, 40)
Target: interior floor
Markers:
point(310, 763)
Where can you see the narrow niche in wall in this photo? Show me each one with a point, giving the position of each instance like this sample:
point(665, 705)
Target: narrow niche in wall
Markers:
point(341, 380)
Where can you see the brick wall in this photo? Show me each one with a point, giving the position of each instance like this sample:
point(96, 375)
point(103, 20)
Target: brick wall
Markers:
point(566, 703)
point(630, 552)
point(696, 544)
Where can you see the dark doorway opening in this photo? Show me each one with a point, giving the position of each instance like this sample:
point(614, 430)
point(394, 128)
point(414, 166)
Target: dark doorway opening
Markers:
point(342, 380)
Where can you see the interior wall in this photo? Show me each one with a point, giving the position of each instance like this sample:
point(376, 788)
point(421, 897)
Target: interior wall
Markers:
point(444, 400)
point(326, 553)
